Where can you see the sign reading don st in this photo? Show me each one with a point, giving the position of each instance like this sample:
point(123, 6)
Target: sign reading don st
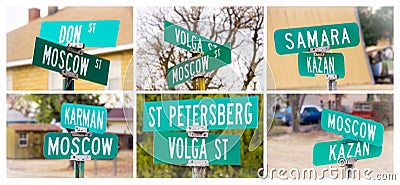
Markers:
point(178, 148)
point(215, 113)
point(331, 63)
point(332, 152)
point(94, 118)
point(62, 146)
point(352, 127)
point(92, 33)
point(56, 58)
point(296, 40)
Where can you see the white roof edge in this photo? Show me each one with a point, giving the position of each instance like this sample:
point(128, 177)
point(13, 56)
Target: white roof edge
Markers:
point(122, 47)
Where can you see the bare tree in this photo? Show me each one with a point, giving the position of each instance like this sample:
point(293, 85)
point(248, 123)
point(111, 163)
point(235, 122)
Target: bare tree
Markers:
point(296, 102)
point(242, 26)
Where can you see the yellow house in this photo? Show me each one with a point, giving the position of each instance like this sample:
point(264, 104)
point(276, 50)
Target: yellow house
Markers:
point(21, 75)
point(282, 71)
point(25, 140)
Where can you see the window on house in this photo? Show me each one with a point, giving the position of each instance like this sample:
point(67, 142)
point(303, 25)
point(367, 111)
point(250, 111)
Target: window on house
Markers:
point(114, 76)
point(55, 81)
point(9, 82)
point(23, 140)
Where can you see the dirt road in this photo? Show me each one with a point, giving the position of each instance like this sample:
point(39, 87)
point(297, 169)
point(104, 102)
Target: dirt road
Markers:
point(41, 168)
point(295, 151)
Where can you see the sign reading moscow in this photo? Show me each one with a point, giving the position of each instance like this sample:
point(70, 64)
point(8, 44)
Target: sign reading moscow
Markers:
point(55, 57)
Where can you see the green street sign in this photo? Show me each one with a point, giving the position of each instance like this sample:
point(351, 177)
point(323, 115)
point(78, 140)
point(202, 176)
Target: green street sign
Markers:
point(332, 152)
point(215, 113)
point(92, 33)
point(59, 145)
point(214, 59)
point(186, 39)
point(56, 58)
point(353, 127)
point(296, 40)
point(331, 63)
point(94, 118)
point(178, 148)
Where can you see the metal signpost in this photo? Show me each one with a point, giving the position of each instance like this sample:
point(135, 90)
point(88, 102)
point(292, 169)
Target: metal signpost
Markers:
point(362, 139)
point(196, 147)
point(206, 55)
point(317, 40)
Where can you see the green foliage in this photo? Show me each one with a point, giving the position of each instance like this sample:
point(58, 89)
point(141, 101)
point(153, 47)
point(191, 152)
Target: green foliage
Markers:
point(251, 147)
point(376, 24)
point(49, 105)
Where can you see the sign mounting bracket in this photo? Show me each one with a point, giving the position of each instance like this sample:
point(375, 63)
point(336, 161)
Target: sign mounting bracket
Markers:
point(81, 132)
point(197, 163)
point(320, 51)
point(197, 131)
point(81, 157)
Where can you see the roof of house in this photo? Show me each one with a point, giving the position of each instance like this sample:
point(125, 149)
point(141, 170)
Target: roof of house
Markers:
point(20, 42)
point(34, 127)
point(14, 116)
point(120, 114)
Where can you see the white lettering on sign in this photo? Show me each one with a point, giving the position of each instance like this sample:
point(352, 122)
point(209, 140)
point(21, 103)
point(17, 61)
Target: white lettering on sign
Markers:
point(64, 60)
point(182, 148)
point(313, 39)
point(238, 113)
point(190, 41)
point(189, 69)
point(354, 127)
point(88, 118)
point(354, 150)
point(88, 146)
point(321, 65)
point(70, 34)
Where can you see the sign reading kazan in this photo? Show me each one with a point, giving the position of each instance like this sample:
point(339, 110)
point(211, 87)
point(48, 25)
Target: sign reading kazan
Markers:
point(352, 127)
point(215, 113)
point(297, 40)
point(92, 33)
point(331, 63)
point(55, 57)
point(94, 118)
point(62, 146)
point(178, 148)
point(332, 152)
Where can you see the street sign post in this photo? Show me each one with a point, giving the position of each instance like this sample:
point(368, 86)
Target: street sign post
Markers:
point(55, 57)
point(214, 59)
point(331, 63)
point(215, 113)
point(296, 40)
point(178, 148)
point(93, 33)
point(59, 145)
point(352, 127)
point(332, 152)
point(94, 118)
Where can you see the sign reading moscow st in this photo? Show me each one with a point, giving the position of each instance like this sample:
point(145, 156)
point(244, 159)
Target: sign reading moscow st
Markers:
point(94, 118)
point(55, 57)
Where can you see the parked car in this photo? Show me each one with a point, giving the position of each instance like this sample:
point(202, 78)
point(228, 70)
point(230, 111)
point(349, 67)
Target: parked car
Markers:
point(379, 111)
point(308, 114)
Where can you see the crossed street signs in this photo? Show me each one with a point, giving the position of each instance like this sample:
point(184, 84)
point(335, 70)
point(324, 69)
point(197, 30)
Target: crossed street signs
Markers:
point(214, 57)
point(362, 138)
